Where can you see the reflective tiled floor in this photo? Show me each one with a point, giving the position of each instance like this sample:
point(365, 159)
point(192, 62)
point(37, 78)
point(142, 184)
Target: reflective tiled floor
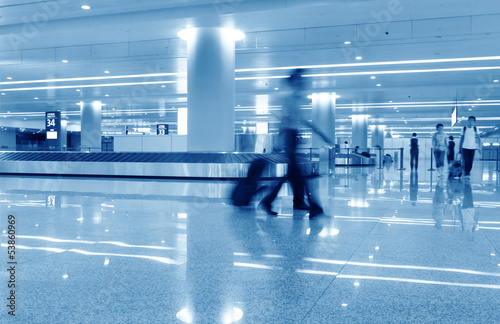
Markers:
point(398, 248)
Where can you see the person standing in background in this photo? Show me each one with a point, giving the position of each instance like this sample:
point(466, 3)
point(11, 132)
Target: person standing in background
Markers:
point(451, 151)
point(469, 143)
point(414, 152)
point(440, 145)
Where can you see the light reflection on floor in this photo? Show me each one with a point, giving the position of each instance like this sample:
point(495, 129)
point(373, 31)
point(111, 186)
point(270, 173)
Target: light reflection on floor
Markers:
point(399, 248)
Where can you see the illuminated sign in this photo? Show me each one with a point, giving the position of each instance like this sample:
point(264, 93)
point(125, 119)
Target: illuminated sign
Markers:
point(454, 116)
point(53, 130)
point(162, 129)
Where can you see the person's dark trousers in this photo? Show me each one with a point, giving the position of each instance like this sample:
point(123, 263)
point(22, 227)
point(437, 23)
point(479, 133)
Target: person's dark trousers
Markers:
point(414, 157)
point(468, 156)
point(294, 175)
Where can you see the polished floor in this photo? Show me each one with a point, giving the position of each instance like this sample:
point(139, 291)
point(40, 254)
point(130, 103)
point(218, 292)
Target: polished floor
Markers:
point(399, 247)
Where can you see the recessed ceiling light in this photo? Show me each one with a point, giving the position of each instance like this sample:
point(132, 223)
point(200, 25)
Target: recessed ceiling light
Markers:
point(107, 95)
point(107, 72)
point(373, 77)
point(9, 78)
point(163, 86)
point(85, 7)
point(359, 58)
point(473, 106)
point(470, 109)
point(390, 100)
point(36, 98)
point(478, 98)
point(347, 42)
point(65, 61)
point(276, 88)
point(495, 81)
point(78, 90)
point(3, 93)
point(378, 85)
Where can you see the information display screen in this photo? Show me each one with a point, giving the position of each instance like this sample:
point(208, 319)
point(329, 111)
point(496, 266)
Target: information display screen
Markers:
point(53, 130)
point(162, 129)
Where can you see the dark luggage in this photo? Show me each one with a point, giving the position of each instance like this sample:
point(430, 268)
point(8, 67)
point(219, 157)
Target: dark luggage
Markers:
point(249, 186)
point(456, 168)
point(366, 154)
point(387, 159)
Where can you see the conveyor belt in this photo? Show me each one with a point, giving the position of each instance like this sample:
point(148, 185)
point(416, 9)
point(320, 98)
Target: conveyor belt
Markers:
point(126, 164)
point(342, 159)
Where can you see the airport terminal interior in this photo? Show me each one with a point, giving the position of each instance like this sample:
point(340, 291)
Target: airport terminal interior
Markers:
point(127, 128)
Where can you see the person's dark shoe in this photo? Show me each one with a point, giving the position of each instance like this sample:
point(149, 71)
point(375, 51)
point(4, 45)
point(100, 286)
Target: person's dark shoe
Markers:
point(316, 212)
point(267, 207)
point(301, 206)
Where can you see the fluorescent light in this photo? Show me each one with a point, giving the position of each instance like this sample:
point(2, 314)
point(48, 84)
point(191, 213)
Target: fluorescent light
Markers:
point(406, 71)
point(89, 86)
point(85, 7)
point(430, 61)
point(97, 78)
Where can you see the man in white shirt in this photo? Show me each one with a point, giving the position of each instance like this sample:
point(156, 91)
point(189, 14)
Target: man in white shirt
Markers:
point(469, 142)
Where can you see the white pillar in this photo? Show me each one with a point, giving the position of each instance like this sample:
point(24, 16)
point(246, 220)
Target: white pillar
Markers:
point(64, 135)
point(210, 56)
point(323, 117)
point(378, 136)
point(91, 126)
point(360, 132)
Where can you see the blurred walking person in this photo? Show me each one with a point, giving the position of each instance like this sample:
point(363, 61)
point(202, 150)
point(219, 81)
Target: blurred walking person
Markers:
point(414, 152)
point(291, 119)
point(469, 143)
point(440, 146)
point(451, 151)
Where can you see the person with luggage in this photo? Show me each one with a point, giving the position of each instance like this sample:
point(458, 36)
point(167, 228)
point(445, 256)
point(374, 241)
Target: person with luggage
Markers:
point(414, 152)
point(440, 145)
point(451, 151)
point(291, 119)
point(469, 143)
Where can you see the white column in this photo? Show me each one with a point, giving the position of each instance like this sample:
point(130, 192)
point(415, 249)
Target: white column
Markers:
point(91, 126)
point(323, 117)
point(378, 136)
point(360, 132)
point(210, 56)
point(64, 135)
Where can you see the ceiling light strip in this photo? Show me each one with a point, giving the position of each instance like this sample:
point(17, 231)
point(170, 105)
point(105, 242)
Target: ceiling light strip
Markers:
point(149, 75)
point(90, 85)
point(482, 68)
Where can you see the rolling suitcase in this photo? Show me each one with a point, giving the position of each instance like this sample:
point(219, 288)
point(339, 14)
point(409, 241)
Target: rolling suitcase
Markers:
point(456, 168)
point(249, 186)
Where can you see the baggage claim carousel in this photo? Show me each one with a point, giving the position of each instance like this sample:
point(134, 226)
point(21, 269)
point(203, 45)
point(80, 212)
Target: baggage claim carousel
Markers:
point(146, 165)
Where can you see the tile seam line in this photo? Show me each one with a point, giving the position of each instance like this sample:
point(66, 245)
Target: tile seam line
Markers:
point(492, 245)
point(346, 263)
